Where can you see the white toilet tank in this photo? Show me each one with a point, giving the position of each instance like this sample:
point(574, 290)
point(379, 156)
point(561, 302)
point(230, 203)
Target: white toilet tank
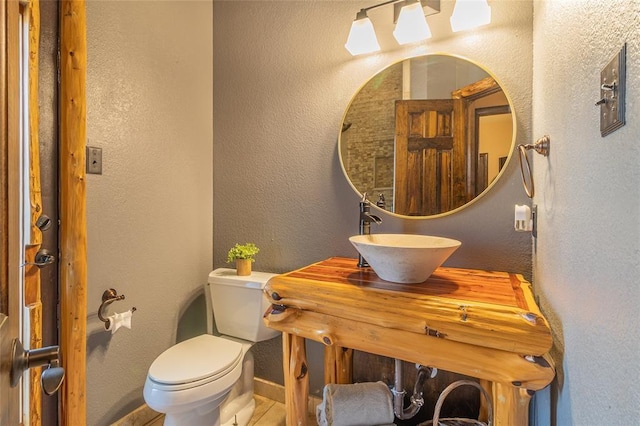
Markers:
point(239, 303)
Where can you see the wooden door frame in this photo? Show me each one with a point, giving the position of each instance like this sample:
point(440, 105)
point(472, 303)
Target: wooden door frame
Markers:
point(72, 202)
point(475, 139)
point(469, 94)
point(32, 288)
point(73, 277)
point(10, 198)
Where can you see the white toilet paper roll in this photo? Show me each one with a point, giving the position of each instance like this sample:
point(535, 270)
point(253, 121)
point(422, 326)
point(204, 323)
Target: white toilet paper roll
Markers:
point(118, 320)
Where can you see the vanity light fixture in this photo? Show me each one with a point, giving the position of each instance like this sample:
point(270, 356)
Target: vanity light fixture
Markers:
point(468, 14)
point(412, 24)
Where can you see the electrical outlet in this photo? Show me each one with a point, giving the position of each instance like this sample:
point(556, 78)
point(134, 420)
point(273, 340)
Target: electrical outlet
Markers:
point(94, 160)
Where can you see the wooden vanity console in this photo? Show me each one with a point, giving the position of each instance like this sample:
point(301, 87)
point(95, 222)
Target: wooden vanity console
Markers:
point(482, 324)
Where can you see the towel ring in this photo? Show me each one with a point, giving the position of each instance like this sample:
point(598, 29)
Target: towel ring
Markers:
point(541, 146)
point(108, 297)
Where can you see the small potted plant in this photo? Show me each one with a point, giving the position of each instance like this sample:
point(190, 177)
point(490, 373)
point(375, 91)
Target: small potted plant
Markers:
point(243, 255)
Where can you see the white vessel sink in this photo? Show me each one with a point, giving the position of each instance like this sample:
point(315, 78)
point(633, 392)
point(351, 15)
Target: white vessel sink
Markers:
point(404, 258)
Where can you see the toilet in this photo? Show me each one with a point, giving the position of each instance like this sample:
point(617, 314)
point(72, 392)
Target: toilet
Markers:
point(208, 380)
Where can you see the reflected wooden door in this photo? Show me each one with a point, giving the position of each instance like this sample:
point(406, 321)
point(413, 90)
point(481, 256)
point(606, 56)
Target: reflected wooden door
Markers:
point(430, 152)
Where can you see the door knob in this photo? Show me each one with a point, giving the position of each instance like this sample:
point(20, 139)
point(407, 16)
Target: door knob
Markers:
point(22, 360)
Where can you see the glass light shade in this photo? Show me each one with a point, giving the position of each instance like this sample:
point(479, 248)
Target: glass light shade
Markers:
point(412, 25)
point(468, 14)
point(362, 37)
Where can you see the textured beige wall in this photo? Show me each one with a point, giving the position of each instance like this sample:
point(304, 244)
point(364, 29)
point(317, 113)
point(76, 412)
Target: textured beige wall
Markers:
point(149, 93)
point(587, 260)
point(282, 81)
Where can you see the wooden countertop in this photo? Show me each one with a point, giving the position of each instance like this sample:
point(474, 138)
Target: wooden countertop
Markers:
point(483, 308)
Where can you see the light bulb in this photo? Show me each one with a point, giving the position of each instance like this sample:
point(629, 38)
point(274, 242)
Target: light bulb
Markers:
point(412, 25)
point(468, 14)
point(362, 37)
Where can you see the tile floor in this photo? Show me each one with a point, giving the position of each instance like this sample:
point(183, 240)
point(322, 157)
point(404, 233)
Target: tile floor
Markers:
point(268, 413)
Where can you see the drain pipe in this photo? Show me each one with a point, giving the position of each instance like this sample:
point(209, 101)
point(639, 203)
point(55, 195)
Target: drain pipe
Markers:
point(416, 399)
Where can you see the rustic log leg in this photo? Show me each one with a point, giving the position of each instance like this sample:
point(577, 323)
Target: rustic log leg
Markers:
point(330, 367)
point(296, 379)
point(344, 365)
point(483, 416)
point(510, 405)
point(338, 364)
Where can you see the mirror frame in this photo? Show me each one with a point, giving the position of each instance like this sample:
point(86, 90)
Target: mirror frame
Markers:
point(477, 197)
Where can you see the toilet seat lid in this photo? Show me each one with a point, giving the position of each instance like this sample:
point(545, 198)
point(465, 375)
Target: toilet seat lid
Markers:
point(203, 357)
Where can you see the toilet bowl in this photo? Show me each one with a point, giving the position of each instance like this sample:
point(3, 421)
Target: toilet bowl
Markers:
point(208, 380)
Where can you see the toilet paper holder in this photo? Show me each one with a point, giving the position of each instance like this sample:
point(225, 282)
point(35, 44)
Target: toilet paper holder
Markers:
point(108, 297)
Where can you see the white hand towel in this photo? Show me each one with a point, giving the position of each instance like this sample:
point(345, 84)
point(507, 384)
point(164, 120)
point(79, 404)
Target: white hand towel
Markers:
point(360, 404)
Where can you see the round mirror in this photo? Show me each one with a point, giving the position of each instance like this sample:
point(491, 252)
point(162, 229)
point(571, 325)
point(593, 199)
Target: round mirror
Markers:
point(427, 136)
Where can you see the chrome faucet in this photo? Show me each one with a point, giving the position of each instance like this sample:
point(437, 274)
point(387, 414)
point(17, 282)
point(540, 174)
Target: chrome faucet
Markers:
point(365, 224)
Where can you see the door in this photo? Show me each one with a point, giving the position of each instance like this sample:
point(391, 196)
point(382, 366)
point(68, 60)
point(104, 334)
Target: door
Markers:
point(430, 152)
point(10, 309)
point(22, 222)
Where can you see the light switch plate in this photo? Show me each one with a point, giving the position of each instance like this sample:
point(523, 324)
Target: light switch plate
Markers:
point(612, 93)
point(94, 160)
